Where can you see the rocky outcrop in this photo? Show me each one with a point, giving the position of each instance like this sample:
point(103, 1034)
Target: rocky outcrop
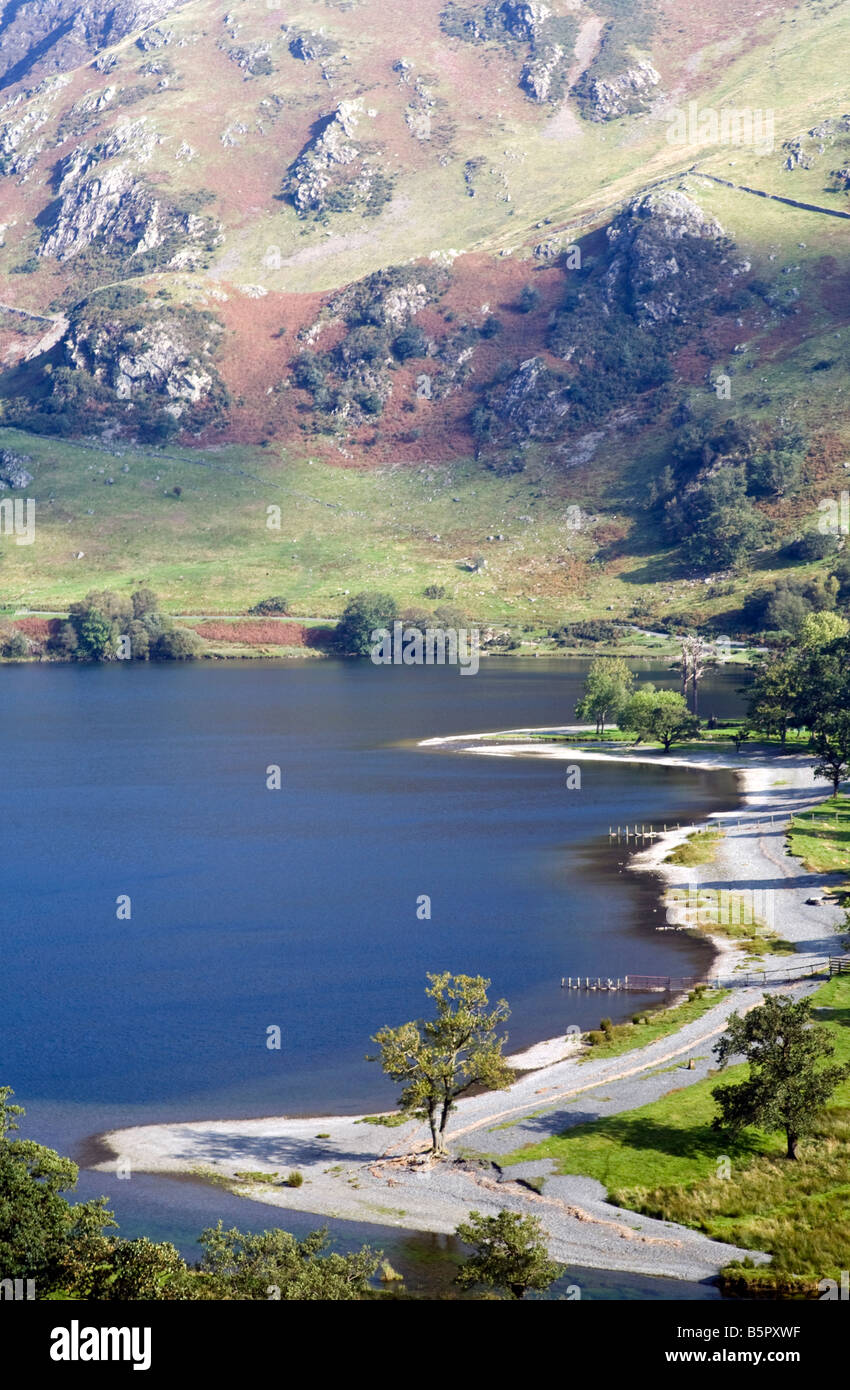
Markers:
point(668, 257)
point(103, 198)
point(50, 36)
point(167, 358)
point(524, 19)
point(335, 173)
point(13, 474)
point(535, 402)
point(608, 98)
point(539, 73)
point(133, 139)
point(118, 208)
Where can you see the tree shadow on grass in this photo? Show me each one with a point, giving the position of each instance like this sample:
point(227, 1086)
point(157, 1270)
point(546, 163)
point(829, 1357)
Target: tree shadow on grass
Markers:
point(647, 1135)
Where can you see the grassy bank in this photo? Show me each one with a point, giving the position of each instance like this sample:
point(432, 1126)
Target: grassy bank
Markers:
point(664, 1160)
point(647, 1027)
point(821, 838)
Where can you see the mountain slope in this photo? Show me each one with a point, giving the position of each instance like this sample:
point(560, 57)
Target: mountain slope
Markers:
point(517, 238)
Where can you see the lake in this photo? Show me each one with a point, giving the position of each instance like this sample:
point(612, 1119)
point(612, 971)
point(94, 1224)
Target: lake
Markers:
point(252, 908)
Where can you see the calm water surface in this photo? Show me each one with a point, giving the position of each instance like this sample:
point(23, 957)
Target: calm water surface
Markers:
point(297, 907)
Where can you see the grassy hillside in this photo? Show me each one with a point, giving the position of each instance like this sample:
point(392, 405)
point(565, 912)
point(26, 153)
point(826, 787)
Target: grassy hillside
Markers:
point(475, 178)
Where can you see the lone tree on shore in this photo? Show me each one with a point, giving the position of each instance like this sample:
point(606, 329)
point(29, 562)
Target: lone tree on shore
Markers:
point(441, 1058)
point(510, 1253)
point(607, 688)
point(786, 1088)
point(661, 715)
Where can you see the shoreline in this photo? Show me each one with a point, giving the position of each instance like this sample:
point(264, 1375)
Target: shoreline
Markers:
point(359, 1171)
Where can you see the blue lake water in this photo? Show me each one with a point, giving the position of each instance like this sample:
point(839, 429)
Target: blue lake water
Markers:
point(297, 907)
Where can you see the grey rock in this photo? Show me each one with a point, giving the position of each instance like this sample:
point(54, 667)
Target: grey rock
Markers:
point(606, 99)
point(13, 474)
point(43, 37)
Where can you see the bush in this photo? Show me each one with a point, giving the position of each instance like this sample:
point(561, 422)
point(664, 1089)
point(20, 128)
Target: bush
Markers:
point(365, 613)
point(435, 591)
point(275, 604)
point(595, 1038)
point(177, 644)
point(529, 299)
point(811, 546)
point(491, 327)
point(15, 646)
point(295, 1179)
point(411, 342)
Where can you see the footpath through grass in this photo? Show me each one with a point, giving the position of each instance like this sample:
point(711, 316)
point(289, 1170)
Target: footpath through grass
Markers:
point(665, 1160)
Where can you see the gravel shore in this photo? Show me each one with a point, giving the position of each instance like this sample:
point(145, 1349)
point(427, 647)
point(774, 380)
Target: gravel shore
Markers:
point(361, 1171)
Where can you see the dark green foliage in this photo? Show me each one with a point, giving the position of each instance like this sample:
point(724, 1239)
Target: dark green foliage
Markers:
point(811, 546)
point(176, 644)
point(411, 342)
point(275, 604)
point(775, 471)
point(98, 623)
point(590, 630)
point(529, 299)
point(715, 521)
point(14, 646)
point(363, 615)
point(70, 1251)
point(787, 1087)
point(491, 327)
point(434, 591)
point(237, 1265)
point(510, 1254)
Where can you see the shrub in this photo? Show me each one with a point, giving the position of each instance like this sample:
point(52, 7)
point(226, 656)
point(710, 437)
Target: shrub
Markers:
point(15, 646)
point(365, 613)
point(411, 342)
point(491, 327)
point(275, 604)
point(529, 299)
point(435, 591)
point(177, 644)
point(295, 1178)
point(811, 546)
point(595, 1038)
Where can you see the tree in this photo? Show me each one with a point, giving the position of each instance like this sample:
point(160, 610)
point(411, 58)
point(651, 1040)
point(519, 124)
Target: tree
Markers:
point(144, 602)
point(607, 688)
point(716, 520)
point(786, 1088)
point(529, 299)
point(442, 1058)
point(244, 1265)
point(362, 616)
point(510, 1253)
point(37, 1224)
point(774, 694)
point(819, 630)
point(696, 657)
point(831, 746)
point(662, 715)
point(177, 644)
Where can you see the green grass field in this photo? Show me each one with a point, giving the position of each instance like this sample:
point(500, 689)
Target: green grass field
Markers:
point(665, 1160)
